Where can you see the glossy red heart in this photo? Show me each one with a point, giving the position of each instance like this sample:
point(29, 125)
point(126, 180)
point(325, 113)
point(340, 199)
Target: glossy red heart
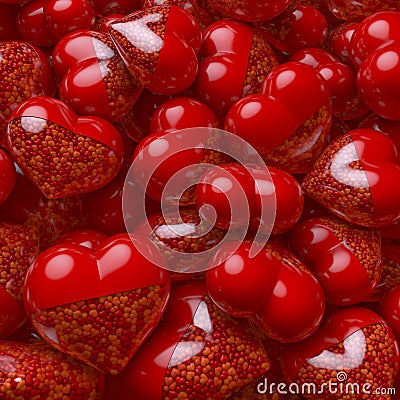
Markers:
point(194, 336)
point(346, 260)
point(53, 373)
point(98, 306)
point(97, 81)
point(25, 72)
point(353, 346)
point(295, 307)
point(159, 46)
point(354, 178)
point(61, 153)
point(306, 96)
point(372, 32)
point(235, 61)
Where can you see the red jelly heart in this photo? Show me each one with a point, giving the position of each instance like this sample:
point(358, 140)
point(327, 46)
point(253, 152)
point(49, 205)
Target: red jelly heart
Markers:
point(19, 245)
point(241, 285)
point(378, 80)
point(372, 32)
point(37, 371)
point(297, 27)
point(236, 61)
point(159, 46)
point(289, 83)
point(346, 260)
point(105, 322)
point(350, 10)
point(354, 347)
point(25, 72)
point(250, 10)
point(196, 352)
point(296, 305)
point(354, 178)
point(100, 85)
point(77, 154)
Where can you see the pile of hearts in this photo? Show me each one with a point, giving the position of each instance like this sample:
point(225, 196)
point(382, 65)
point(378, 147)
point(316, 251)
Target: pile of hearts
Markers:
point(199, 199)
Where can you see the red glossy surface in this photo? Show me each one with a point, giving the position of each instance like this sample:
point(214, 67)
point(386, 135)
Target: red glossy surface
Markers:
point(389, 308)
point(180, 113)
point(296, 305)
point(378, 81)
point(229, 190)
point(160, 156)
point(103, 24)
point(298, 27)
point(336, 327)
point(8, 175)
point(261, 120)
point(65, 16)
point(390, 128)
point(241, 285)
point(251, 10)
point(312, 57)
point(76, 46)
point(290, 81)
point(82, 84)
point(84, 237)
point(116, 266)
point(372, 32)
point(31, 24)
point(332, 249)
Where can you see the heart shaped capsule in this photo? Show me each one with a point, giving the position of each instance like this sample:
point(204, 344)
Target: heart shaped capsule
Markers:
point(99, 306)
point(159, 45)
point(354, 178)
point(61, 153)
